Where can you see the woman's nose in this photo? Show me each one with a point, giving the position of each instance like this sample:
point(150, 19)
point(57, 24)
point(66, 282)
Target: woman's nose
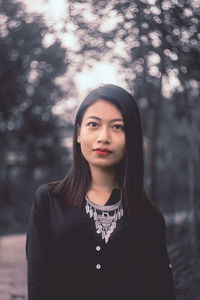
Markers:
point(104, 136)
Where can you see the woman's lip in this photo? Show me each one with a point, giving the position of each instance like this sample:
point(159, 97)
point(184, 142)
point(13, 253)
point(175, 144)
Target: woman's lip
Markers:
point(103, 153)
point(103, 150)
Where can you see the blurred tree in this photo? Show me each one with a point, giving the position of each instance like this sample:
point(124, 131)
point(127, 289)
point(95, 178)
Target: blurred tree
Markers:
point(31, 135)
point(143, 36)
point(157, 43)
point(183, 21)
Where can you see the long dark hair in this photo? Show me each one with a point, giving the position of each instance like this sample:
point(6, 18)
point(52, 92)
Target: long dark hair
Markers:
point(130, 171)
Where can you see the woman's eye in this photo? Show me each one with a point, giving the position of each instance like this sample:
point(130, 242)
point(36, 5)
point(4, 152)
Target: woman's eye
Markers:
point(118, 126)
point(92, 124)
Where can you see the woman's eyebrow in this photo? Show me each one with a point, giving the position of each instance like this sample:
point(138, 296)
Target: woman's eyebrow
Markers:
point(93, 117)
point(99, 119)
point(117, 120)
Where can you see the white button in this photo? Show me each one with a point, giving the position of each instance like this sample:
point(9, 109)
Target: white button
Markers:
point(98, 266)
point(98, 248)
point(170, 266)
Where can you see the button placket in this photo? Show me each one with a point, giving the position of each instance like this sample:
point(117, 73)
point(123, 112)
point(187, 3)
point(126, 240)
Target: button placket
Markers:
point(98, 253)
point(98, 256)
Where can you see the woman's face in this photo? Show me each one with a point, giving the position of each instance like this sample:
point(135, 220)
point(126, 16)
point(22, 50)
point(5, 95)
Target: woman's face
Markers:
point(101, 135)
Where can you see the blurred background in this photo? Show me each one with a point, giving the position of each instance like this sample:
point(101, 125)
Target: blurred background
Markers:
point(52, 52)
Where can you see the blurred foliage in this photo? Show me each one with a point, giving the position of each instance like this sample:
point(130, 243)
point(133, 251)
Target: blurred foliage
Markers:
point(157, 44)
point(32, 149)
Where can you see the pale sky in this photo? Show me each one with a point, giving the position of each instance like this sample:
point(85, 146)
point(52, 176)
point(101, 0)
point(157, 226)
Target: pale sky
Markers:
point(52, 10)
point(104, 72)
point(55, 14)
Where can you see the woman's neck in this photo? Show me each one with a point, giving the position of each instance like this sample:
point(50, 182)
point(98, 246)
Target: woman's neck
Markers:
point(103, 180)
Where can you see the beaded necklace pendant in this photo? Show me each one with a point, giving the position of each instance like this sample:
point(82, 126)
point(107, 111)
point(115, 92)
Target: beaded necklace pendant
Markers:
point(105, 217)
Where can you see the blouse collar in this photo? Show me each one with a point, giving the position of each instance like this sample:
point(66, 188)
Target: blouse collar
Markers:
point(114, 197)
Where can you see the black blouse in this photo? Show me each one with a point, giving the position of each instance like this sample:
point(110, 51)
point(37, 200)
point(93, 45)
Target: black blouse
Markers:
point(68, 260)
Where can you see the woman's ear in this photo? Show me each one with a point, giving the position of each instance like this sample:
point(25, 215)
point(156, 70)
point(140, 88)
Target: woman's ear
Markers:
point(78, 133)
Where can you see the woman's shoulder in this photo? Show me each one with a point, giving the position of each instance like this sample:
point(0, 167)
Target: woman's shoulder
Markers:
point(150, 211)
point(42, 190)
point(154, 218)
point(46, 194)
point(41, 197)
point(46, 190)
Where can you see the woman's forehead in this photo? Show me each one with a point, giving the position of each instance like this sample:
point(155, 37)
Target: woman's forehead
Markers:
point(103, 109)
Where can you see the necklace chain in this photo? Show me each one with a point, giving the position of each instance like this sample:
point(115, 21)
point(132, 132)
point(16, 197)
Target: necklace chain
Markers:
point(105, 216)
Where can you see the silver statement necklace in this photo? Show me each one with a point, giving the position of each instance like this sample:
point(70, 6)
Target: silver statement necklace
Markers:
point(105, 216)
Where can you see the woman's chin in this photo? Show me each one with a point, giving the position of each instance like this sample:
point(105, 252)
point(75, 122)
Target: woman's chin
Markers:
point(104, 165)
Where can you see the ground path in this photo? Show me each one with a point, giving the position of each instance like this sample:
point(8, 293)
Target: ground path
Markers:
point(13, 268)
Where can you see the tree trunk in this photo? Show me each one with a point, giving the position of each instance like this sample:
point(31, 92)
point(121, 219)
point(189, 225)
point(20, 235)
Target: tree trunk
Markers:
point(152, 151)
point(193, 216)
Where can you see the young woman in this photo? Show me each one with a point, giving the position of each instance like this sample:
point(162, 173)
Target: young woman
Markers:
point(96, 234)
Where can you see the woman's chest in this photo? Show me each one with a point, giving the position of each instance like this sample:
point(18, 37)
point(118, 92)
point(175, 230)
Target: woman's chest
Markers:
point(74, 233)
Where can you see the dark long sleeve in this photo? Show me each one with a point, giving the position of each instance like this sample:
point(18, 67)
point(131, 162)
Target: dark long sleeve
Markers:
point(163, 269)
point(38, 248)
